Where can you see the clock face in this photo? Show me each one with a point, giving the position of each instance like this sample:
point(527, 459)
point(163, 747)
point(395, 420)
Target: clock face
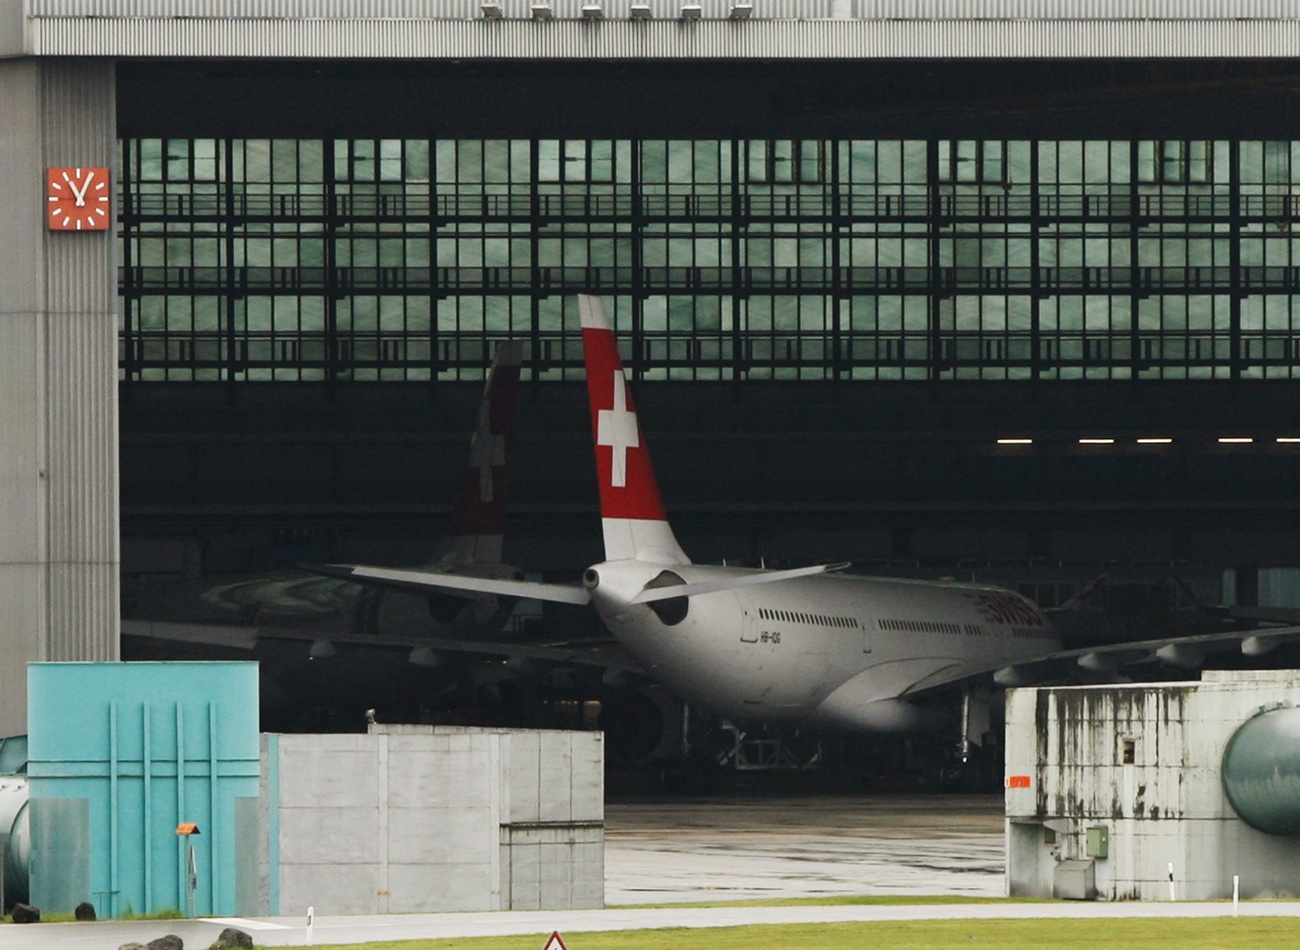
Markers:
point(77, 199)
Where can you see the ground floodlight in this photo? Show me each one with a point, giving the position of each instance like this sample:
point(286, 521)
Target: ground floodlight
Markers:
point(542, 11)
point(741, 11)
point(691, 11)
point(641, 11)
point(492, 11)
point(593, 11)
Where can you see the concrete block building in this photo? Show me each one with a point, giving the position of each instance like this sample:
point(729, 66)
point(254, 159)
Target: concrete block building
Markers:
point(123, 756)
point(1153, 791)
point(418, 819)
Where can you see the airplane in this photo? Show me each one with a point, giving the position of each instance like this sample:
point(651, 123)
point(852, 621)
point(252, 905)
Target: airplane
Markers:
point(811, 646)
point(808, 645)
point(328, 612)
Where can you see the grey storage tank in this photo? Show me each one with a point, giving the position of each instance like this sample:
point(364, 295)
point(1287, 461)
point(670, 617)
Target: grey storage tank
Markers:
point(1261, 771)
point(15, 841)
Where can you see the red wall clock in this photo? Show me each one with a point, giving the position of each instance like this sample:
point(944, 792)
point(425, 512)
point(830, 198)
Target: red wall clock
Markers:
point(77, 199)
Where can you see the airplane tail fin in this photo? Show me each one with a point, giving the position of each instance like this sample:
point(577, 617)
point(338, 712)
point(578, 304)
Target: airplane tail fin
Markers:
point(478, 519)
point(632, 515)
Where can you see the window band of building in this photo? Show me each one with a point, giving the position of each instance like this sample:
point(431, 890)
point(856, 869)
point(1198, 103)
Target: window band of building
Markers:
point(388, 259)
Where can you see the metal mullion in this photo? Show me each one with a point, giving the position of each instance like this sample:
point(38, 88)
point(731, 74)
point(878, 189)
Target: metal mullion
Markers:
point(228, 223)
point(130, 299)
point(637, 225)
point(1135, 270)
point(434, 221)
point(934, 357)
point(1035, 267)
point(836, 263)
point(1234, 260)
point(534, 251)
point(740, 293)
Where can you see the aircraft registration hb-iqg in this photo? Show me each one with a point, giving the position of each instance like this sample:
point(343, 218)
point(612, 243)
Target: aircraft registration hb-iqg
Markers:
point(807, 645)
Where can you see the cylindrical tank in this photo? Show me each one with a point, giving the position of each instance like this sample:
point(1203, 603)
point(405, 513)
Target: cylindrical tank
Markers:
point(13, 822)
point(1261, 771)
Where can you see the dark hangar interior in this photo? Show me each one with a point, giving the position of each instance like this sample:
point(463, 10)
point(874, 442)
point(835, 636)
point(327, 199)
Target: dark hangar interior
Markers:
point(838, 286)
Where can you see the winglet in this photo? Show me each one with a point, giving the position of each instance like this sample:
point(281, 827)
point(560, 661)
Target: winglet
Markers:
point(478, 518)
point(632, 514)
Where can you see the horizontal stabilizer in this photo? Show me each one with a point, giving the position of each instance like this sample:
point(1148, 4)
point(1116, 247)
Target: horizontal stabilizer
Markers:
point(651, 594)
point(424, 581)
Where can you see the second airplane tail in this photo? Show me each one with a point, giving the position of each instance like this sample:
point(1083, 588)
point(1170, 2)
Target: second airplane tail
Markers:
point(478, 519)
point(631, 512)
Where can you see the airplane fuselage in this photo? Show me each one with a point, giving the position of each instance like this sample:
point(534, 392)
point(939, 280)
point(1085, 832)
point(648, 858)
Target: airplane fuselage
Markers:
point(831, 649)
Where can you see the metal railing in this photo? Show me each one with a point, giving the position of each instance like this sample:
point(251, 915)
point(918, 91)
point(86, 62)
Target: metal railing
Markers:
point(441, 281)
point(946, 204)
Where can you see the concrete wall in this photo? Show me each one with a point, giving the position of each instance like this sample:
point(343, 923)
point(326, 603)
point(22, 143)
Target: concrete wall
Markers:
point(58, 382)
point(1067, 772)
point(414, 818)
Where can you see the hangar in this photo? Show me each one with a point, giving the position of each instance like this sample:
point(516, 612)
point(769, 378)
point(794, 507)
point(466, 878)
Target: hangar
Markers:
point(935, 287)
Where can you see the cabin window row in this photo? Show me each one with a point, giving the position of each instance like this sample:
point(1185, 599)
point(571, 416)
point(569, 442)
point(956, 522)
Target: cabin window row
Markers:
point(795, 616)
point(921, 626)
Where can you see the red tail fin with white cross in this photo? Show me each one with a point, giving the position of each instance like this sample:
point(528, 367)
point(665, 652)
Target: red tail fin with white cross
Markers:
point(631, 512)
point(478, 519)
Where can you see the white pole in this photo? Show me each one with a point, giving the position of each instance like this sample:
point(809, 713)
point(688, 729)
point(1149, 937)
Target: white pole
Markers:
point(311, 925)
point(1172, 895)
point(1236, 893)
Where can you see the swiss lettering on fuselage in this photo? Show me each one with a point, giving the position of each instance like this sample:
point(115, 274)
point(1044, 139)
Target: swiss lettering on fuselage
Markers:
point(1005, 609)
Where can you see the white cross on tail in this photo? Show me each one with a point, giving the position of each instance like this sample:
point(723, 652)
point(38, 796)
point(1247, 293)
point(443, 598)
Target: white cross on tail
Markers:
point(616, 428)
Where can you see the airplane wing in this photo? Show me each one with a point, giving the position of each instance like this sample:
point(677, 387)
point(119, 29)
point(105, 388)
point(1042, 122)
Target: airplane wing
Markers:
point(461, 584)
point(218, 635)
point(1188, 652)
point(603, 654)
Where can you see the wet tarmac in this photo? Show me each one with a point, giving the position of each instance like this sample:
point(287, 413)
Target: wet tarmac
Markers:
point(747, 848)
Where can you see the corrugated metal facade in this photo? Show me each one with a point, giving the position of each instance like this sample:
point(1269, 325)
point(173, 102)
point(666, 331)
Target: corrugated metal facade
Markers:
point(787, 39)
point(81, 382)
point(797, 29)
point(766, 9)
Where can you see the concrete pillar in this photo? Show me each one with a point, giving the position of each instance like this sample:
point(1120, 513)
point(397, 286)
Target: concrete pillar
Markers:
point(59, 556)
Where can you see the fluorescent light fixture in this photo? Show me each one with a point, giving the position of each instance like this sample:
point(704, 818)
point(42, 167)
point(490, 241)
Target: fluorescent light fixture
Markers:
point(641, 11)
point(542, 11)
point(740, 11)
point(1287, 438)
point(1015, 441)
point(1236, 440)
point(691, 11)
point(1096, 441)
point(491, 11)
point(1154, 441)
point(593, 11)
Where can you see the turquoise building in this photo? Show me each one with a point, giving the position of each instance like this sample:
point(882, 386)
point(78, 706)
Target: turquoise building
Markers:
point(119, 755)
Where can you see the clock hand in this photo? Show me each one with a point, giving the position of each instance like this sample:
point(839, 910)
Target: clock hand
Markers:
point(80, 195)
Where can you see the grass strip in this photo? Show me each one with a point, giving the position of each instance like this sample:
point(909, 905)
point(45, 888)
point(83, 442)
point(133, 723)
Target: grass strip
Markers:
point(1204, 933)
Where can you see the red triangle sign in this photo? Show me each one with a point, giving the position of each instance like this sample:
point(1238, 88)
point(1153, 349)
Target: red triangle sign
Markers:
point(556, 942)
